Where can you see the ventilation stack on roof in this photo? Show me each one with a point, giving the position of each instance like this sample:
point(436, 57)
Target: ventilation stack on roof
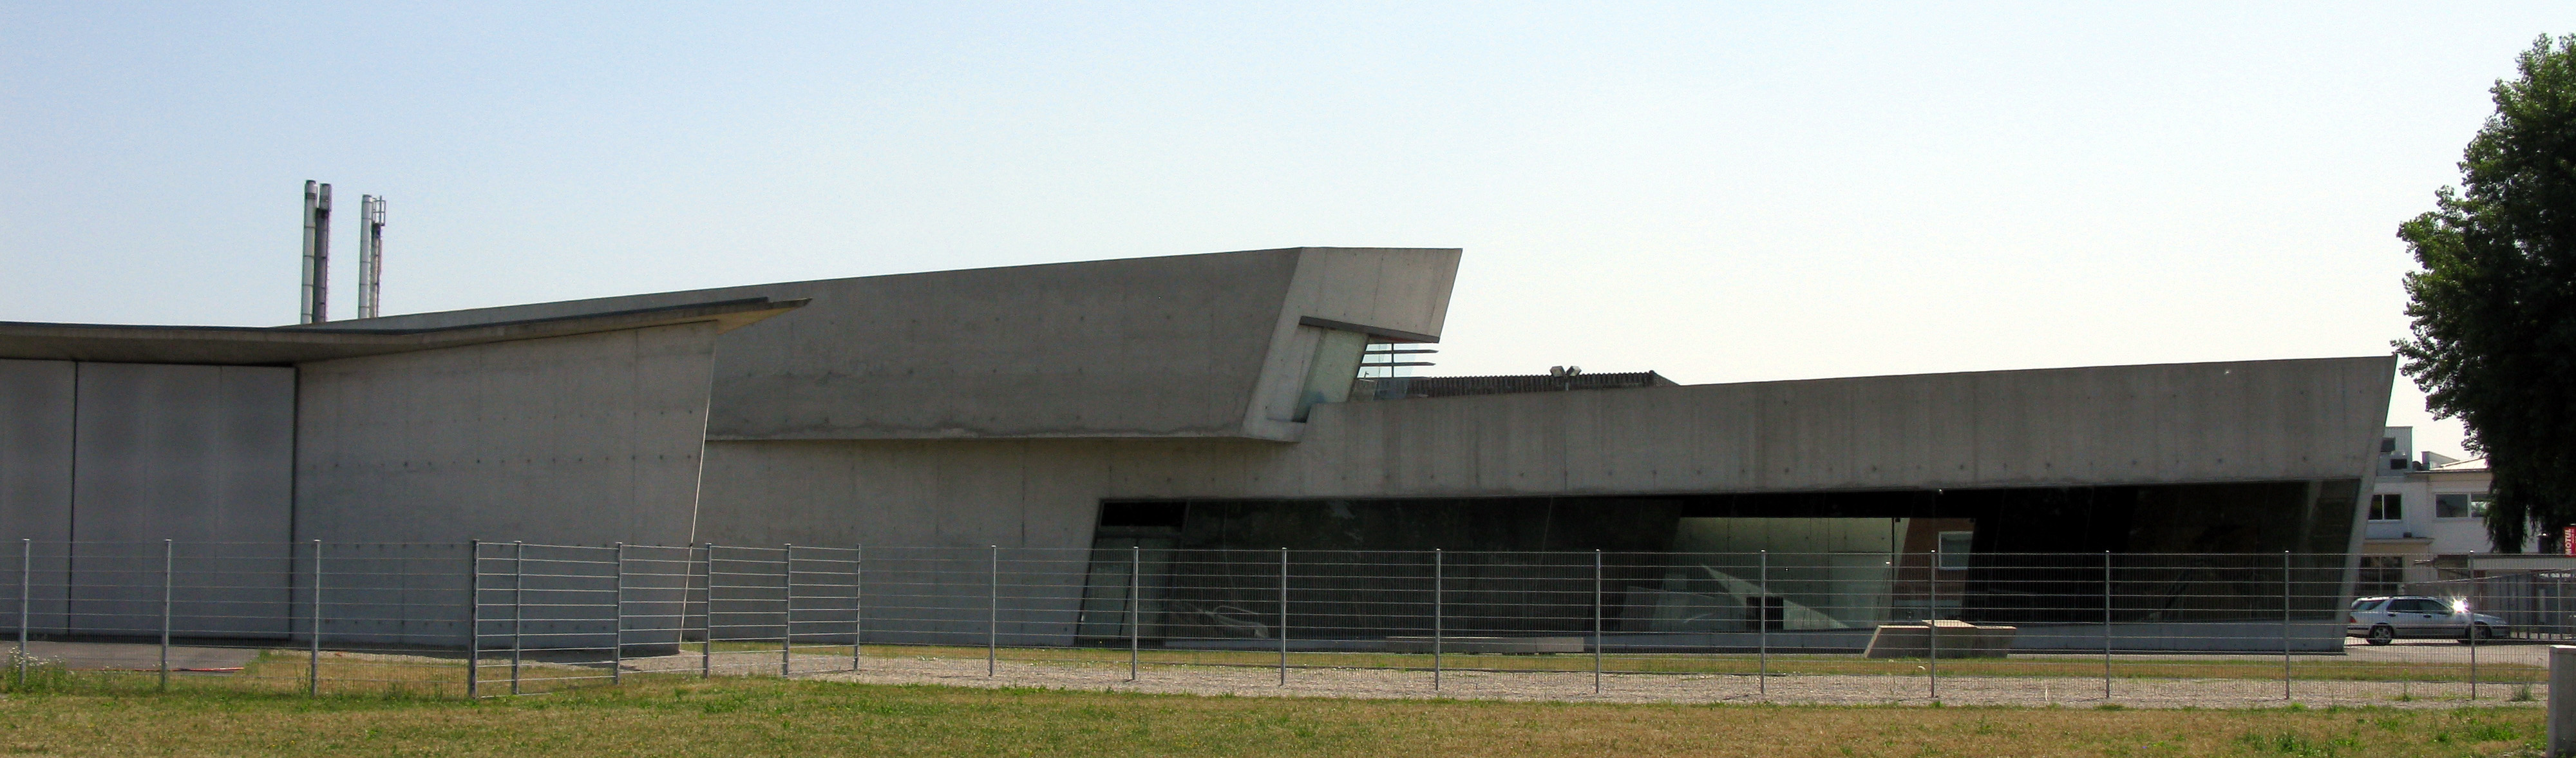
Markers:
point(371, 255)
point(317, 253)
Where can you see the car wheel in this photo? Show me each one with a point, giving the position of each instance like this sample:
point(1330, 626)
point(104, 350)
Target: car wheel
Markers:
point(2381, 635)
point(2482, 632)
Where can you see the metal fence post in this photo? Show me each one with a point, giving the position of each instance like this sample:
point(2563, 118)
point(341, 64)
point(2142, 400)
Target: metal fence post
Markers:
point(1932, 620)
point(2470, 609)
point(167, 548)
point(2285, 625)
point(518, 607)
point(313, 664)
point(26, 568)
point(787, 613)
point(706, 614)
point(1135, 616)
point(1762, 626)
point(993, 611)
point(858, 602)
point(1284, 617)
point(2106, 625)
point(617, 622)
point(473, 618)
point(1596, 621)
point(1438, 624)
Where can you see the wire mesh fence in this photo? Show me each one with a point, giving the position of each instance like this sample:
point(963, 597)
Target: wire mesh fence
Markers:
point(483, 619)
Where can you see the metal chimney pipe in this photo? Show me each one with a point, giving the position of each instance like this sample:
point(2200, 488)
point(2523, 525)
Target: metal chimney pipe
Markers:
point(317, 253)
point(371, 255)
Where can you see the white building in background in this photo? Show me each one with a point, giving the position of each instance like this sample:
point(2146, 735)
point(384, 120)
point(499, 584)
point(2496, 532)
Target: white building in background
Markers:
point(2423, 504)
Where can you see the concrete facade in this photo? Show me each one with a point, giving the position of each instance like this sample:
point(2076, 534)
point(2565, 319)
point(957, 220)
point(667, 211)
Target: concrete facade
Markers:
point(2182, 423)
point(108, 453)
point(1185, 346)
point(1004, 407)
point(603, 428)
point(36, 448)
point(374, 436)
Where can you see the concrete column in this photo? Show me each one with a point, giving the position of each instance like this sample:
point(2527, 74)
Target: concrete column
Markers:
point(2562, 700)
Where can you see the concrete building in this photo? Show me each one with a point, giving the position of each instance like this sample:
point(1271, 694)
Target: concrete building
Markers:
point(1187, 403)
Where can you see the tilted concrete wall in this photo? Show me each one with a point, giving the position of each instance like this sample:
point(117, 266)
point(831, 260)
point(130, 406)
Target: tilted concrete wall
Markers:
point(582, 440)
point(1178, 346)
point(588, 439)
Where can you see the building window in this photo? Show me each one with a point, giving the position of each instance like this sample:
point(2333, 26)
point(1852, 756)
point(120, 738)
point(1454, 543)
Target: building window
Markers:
point(1769, 611)
point(2396, 464)
point(2381, 575)
point(2461, 505)
point(1954, 550)
point(2388, 444)
point(2388, 508)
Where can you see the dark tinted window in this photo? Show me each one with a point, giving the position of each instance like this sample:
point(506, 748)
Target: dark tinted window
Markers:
point(1166, 514)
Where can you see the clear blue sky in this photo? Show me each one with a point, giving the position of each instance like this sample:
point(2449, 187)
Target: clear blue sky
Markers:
point(1719, 192)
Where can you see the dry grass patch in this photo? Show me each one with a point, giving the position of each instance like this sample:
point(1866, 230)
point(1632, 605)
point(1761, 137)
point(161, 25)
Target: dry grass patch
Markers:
point(774, 717)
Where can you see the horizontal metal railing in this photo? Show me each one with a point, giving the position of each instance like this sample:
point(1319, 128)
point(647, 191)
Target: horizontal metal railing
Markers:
point(489, 618)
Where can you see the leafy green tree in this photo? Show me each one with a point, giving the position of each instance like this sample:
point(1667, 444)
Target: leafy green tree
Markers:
point(2494, 308)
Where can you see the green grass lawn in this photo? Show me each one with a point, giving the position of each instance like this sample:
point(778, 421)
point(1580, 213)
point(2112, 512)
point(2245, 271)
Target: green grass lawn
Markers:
point(768, 716)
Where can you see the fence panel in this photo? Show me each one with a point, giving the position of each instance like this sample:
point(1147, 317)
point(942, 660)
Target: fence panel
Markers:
point(495, 618)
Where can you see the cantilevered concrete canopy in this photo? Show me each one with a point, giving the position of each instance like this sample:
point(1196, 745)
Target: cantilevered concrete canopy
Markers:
point(286, 346)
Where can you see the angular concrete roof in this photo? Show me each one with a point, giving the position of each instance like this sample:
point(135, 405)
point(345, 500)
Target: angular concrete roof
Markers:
point(1212, 345)
point(281, 346)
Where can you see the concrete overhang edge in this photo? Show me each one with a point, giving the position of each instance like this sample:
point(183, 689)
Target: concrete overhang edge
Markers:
point(1396, 335)
point(287, 345)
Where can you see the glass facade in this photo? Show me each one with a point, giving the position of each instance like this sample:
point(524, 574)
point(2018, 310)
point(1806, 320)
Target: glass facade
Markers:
point(1711, 563)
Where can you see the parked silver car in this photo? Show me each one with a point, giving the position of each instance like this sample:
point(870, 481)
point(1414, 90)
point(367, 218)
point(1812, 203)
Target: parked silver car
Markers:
point(2382, 620)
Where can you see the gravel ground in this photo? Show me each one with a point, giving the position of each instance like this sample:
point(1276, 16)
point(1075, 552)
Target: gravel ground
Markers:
point(1615, 688)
